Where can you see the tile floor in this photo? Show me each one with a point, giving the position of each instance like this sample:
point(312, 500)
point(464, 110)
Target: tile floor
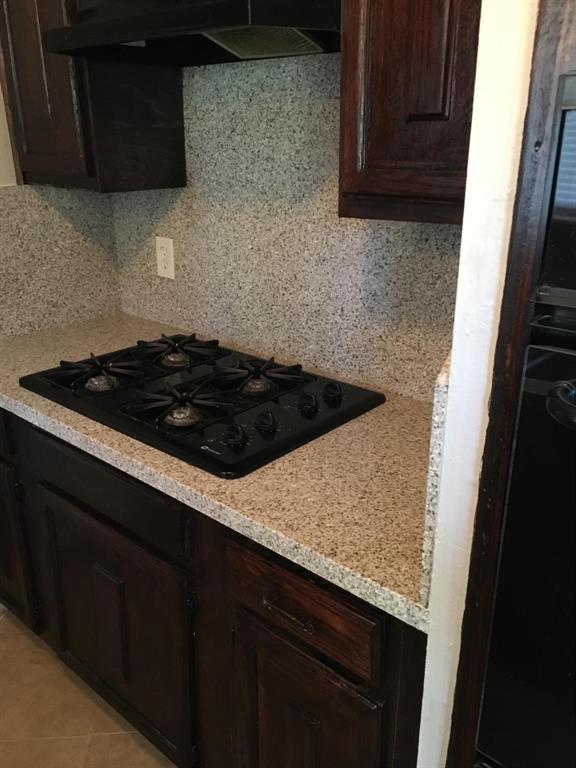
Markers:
point(50, 719)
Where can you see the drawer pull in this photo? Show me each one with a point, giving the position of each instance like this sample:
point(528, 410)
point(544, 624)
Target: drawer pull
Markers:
point(303, 626)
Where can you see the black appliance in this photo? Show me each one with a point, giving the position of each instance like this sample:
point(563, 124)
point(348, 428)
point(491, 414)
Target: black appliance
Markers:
point(529, 704)
point(221, 410)
point(528, 717)
point(197, 32)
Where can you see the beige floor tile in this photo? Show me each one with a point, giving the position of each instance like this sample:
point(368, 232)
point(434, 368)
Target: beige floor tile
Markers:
point(50, 706)
point(130, 750)
point(9, 624)
point(39, 697)
point(18, 644)
point(44, 753)
point(50, 719)
point(107, 720)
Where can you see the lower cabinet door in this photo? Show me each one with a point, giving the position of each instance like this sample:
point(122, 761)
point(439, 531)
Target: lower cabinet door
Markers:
point(14, 566)
point(293, 712)
point(123, 622)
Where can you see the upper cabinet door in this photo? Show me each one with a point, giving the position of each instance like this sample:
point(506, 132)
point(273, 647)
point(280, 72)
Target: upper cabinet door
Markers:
point(42, 92)
point(408, 70)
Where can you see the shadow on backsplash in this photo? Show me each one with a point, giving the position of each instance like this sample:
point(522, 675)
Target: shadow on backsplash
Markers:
point(262, 259)
point(58, 263)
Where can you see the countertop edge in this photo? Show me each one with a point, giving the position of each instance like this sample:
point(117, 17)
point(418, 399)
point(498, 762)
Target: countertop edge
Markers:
point(440, 403)
point(410, 612)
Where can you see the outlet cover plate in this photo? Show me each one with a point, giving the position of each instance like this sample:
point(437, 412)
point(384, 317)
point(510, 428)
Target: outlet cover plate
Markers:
point(165, 257)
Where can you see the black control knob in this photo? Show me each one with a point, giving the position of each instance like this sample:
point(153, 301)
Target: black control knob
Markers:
point(308, 404)
point(266, 423)
point(332, 393)
point(236, 436)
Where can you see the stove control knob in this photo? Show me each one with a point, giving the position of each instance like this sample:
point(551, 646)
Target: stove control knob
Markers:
point(308, 404)
point(332, 393)
point(236, 436)
point(266, 423)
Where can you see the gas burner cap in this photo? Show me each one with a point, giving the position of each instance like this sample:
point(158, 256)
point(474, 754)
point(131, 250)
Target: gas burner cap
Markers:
point(101, 383)
point(175, 359)
point(257, 387)
point(183, 416)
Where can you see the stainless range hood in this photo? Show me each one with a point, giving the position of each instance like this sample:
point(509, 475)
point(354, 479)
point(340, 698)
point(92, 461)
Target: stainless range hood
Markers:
point(195, 32)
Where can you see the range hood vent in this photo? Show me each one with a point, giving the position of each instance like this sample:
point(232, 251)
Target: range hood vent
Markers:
point(196, 32)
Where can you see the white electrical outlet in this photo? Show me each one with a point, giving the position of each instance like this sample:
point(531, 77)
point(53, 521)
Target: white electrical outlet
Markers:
point(165, 257)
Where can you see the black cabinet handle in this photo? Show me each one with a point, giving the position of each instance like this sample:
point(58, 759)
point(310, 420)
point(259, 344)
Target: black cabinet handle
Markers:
point(561, 403)
point(303, 626)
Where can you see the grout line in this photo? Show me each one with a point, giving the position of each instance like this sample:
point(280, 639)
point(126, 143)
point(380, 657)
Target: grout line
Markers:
point(28, 739)
point(112, 733)
point(87, 752)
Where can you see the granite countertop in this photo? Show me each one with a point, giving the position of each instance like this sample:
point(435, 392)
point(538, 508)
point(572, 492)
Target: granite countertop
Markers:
point(350, 506)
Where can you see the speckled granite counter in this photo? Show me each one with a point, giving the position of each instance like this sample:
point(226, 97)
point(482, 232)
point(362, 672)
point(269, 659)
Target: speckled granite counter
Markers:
point(349, 506)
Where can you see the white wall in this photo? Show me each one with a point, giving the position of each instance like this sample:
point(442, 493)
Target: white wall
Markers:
point(7, 172)
point(502, 81)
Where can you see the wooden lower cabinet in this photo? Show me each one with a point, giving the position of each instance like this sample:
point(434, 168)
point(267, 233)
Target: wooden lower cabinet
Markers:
point(15, 589)
point(123, 621)
point(294, 712)
point(223, 654)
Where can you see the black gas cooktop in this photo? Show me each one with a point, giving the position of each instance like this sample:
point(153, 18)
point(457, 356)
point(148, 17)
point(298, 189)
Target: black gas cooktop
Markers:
point(221, 410)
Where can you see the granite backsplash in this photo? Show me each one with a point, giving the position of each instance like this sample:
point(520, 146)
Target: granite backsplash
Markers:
point(57, 261)
point(262, 259)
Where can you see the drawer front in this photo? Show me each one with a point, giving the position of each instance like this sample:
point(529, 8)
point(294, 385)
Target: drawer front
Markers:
point(160, 522)
point(346, 635)
point(5, 447)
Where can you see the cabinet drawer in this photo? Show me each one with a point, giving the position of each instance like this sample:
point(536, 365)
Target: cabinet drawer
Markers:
point(155, 519)
point(348, 636)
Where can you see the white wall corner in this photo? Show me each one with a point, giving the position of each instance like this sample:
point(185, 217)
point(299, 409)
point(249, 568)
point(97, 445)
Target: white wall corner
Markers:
point(501, 94)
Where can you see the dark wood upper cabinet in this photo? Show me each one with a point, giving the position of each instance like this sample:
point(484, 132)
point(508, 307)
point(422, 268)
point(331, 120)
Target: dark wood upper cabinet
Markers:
point(111, 127)
point(408, 69)
point(43, 90)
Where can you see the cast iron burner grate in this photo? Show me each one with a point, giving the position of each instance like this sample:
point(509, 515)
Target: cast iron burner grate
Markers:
point(180, 409)
point(97, 374)
point(258, 378)
point(180, 351)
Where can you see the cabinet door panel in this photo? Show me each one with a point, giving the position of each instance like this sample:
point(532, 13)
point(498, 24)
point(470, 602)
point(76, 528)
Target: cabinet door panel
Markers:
point(122, 615)
point(407, 88)
point(292, 712)
point(14, 582)
point(43, 91)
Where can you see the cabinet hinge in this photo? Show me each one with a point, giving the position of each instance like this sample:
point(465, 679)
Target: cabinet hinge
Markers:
point(18, 490)
point(188, 539)
point(36, 612)
point(196, 756)
point(192, 604)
